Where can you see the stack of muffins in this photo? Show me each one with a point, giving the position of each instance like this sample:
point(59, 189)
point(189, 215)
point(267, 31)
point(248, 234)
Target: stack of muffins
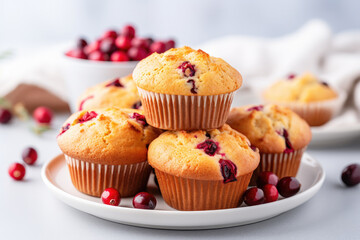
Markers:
point(200, 162)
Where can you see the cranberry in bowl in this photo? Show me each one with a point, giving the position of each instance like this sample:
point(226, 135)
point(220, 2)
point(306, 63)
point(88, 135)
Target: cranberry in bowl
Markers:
point(114, 54)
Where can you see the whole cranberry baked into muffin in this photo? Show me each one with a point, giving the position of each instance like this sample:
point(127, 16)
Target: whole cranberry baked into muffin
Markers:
point(203, 170)
point(280, 135)
point(312, 99)
point(186, 89)
point(107, 148)
point(118, 92)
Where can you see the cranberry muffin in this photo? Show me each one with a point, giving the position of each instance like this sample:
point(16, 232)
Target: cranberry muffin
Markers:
point(313, 100)
point(203, 170)
point(280, 135)
point(118, 92)
point(107, 148)
point(186, 89)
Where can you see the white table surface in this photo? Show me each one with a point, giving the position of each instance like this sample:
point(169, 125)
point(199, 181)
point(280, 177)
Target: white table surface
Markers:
point(29, 211)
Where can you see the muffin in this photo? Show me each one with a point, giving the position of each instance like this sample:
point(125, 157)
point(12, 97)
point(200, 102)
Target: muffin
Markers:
point(203, 170)
point(186, 89)
point(118, 92)
point(280, 135)
point(107, 148)
point(313, 100)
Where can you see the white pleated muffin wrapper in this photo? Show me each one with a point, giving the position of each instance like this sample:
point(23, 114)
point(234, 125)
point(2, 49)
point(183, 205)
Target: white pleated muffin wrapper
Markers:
point(282, 164)
point(93, 179)
point(179, 112)
point(316, 113)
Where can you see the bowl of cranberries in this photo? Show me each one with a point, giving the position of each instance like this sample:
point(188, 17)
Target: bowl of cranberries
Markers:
point(114, 54)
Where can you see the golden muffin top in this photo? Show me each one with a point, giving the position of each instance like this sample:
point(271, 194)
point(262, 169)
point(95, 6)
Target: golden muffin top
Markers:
point(271, 128)
point(220, 154)
point(304, 88)
point(107, 136)
point(185, 71)
point(118, 92)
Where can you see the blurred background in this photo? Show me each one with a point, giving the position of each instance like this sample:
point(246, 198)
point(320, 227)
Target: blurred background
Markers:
point(39, 22)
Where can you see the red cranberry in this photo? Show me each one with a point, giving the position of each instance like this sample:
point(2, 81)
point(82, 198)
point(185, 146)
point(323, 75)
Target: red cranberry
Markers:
point(228, 170)
point(17, 171)
point(5, 116)
point(81, 106)
point(271, 193)
point(188, 69)
point(81, 43)
point(87, 116)
point(169, 44)
point(144, 200)
point(29, 155)
point(256, 108)
point(209, 146)
point(128, 31)
point(137, 53)
point(76, 53)
point(42, 115)
point(351, 175)
point(137, 105)
point(119, 56)
point(108, 46)
point(139, 118)
point(123, 42)
point(288, 186)
point(98, 56)
point(288, 145)
point(111, 196)
point(158, 47)
point(92, 47)
point(266, 178)
point(109, 34)
point(254, 196)
point(291, 76)
point(140, 42)
point(193, 89)
point(115, 83)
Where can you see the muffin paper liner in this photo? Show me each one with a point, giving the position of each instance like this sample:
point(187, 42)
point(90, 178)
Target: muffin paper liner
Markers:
point(178, 112)
point(93, 179)
point(282, 164)
point(316, 113)
point(193, 195)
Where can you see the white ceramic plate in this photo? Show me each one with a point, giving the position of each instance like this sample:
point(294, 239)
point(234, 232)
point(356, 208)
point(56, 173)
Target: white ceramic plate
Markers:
point(57, 179)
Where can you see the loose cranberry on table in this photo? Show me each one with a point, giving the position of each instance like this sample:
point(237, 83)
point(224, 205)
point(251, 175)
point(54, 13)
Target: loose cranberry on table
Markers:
point(98, 56)
point(42, 115)
point(17, 171)
point(128, 31)
point(288, 186)
point(119, 56)
point(271, 193)
point(5, 116)
point(29, 155)
point(144, 200)
point(254, 196)
point(111, 196)
point(266, 177)
point(351, 175)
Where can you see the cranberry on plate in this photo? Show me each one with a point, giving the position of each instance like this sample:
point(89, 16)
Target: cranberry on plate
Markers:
point(288, 186)
point(128, 31)
point(17, 171)
point(119, 56)
point(158, 47)
point(271, 193)
point(98, 56)
point(29, 155)
point(144, 200)
point(42, 115)
point(351, 175)
point(266, 177)
point(5, 116)
point(254, 196)
point(123, 42)
point(137, 53)
point(109, 34)
point(76, 53)
point(111, 196)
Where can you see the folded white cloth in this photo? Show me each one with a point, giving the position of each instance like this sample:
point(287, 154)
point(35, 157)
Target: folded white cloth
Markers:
point(333, 58)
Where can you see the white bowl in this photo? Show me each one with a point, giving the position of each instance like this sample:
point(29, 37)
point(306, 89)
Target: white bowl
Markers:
point(80, 74)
